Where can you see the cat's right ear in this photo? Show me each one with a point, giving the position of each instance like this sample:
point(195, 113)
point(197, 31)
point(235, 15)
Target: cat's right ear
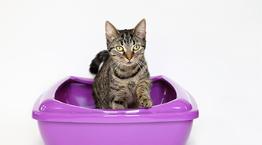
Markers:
point(111, 32)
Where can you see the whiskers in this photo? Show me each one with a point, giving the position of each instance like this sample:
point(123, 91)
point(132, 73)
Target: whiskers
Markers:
point(126, 71)
point(141, 65)
point(115, 65)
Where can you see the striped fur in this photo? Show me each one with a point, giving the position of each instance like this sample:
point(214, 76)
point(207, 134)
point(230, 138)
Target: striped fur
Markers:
point(123, 80)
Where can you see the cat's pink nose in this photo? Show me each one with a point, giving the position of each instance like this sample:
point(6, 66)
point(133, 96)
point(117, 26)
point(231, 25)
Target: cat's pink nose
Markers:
point(129, 56)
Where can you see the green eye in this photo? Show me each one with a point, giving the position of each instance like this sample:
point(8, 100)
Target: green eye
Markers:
point(136, 47)
point(119, 48)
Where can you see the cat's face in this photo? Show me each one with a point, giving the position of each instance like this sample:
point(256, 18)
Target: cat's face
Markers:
point(126, 47)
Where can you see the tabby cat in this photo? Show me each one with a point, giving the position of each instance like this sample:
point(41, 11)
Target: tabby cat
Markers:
point(123, 80)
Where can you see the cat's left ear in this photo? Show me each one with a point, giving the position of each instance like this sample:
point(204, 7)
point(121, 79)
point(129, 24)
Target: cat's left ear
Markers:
point(140, 29)
point(111, 31)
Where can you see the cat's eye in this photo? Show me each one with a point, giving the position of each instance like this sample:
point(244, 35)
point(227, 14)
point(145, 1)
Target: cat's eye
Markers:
point(136, 47)
point(120, 48)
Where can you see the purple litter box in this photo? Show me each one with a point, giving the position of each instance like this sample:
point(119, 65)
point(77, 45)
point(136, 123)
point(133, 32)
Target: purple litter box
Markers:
point(66, 115)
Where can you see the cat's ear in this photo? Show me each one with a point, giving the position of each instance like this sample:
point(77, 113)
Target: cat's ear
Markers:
point(111, 31)
point(140, 29)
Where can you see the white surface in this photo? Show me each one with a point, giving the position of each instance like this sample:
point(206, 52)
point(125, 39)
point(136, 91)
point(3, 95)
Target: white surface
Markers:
point(211, 48)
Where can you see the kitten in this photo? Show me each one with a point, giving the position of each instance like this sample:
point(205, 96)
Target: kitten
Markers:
point(123, 80)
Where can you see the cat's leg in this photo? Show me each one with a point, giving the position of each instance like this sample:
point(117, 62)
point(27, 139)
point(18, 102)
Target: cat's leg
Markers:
point(119, 103)
point(118, 99)
point(143, 94)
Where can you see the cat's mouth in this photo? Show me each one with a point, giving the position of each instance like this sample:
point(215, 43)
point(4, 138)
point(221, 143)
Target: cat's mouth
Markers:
point(129, 63)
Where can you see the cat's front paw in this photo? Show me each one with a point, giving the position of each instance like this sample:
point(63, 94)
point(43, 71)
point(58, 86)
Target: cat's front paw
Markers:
point(145, 102)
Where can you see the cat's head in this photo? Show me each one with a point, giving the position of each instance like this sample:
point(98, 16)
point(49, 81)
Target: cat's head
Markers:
point(126, 46)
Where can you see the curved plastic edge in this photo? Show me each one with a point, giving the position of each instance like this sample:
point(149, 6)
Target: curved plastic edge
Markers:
point(49, 109)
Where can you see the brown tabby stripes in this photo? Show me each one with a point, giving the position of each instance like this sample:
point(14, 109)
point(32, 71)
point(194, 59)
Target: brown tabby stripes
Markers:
point(123, 79)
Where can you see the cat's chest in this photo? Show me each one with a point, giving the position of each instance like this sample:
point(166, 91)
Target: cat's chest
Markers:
point(129, 83)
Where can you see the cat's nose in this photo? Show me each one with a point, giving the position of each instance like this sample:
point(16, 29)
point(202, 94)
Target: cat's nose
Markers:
point(129, 56)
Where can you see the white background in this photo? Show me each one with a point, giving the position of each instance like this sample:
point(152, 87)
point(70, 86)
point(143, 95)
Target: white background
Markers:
point(211, 48)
